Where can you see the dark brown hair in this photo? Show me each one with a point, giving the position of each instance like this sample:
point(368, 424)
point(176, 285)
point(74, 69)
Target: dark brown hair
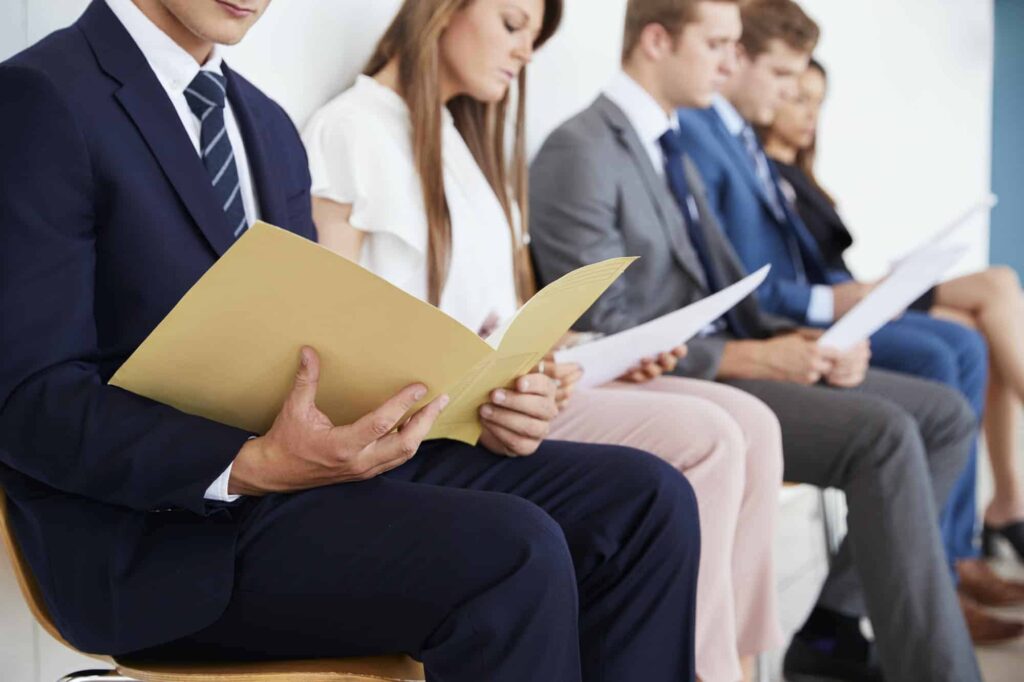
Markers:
point(768, 20)
point(805, 158)
point(672, 14)
point(414, 40)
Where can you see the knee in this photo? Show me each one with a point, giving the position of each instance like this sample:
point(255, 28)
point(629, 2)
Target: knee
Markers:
point(709, 434)
point(534, 543)
point(1002, 281)
point(672, 500)
point(956, 416)
point(891, 433)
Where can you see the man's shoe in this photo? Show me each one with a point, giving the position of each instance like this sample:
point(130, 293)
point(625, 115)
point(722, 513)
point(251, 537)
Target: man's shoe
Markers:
point(805, 662)
point(983, 585)
point(986, 628)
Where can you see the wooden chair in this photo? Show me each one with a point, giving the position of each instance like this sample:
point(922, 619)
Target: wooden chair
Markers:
point(382, 669)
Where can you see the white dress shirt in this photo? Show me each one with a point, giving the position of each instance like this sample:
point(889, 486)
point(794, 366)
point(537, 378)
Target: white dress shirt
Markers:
point(361, 154)
point(175, 69)
point(647, 117)
point(821, 306)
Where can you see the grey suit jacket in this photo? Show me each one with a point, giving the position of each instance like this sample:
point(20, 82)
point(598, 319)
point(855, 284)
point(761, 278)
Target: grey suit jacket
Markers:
point(595, 195)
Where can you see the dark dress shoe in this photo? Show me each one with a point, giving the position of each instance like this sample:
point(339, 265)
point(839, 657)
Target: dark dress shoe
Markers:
point(805, 662)
point(1013, 533)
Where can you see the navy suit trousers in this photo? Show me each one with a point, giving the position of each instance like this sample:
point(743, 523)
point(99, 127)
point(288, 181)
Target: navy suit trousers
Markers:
point(579, 562)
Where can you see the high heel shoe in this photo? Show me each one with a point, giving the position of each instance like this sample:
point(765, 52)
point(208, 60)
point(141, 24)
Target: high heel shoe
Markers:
point(1013, 533)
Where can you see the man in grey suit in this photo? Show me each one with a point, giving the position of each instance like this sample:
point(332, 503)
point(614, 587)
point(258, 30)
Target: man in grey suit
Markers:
point(613, 181)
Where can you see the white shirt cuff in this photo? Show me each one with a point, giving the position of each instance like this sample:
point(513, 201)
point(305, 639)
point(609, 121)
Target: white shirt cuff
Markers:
point(218, 490)
point(821, 308)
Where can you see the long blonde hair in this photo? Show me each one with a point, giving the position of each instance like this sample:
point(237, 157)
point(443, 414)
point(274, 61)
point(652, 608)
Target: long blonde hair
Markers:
point(414, 40)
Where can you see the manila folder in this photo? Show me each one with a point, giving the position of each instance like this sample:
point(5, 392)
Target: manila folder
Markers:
point(228, 351)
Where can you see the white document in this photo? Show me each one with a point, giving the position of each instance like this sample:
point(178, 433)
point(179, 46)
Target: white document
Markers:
point(940, 238)
point(912, 277)
point(610, 357)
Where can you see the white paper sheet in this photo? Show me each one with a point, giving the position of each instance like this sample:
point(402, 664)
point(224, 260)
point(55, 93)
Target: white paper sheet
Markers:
point(941, 237)
point(610, 357)
point(912, 277)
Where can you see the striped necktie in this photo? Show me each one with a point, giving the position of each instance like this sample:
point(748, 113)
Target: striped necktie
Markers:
point(206, 95)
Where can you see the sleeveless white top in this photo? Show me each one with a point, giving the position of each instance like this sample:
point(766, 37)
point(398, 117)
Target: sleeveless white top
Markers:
point(360, 153)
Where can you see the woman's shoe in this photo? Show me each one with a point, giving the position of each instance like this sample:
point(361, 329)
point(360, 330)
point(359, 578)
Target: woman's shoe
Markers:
point(1012, 533)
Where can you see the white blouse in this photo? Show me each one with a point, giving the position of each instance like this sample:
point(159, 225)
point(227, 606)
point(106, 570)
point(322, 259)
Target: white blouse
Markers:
point(360, 153)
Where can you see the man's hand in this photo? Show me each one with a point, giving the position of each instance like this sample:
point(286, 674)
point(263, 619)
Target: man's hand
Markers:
point(850, 367)
point(517, 421)
point(790, 357)
point(304, 450)
point(649, 369)
point(849, 294)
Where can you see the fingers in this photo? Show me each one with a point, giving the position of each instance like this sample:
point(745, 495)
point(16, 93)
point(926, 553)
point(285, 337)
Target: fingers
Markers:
point(510, 443)
point(398, 447)
point(680, 352)
point(529, 404)
point(379, 423)
point(536, 384)
point(307, 379)
point(667, 362)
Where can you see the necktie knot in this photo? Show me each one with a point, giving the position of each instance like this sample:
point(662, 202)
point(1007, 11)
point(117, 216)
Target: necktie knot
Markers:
point(206, 93)
point(671, 143)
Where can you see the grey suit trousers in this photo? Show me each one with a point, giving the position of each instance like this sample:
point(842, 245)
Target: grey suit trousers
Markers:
point(895, 446)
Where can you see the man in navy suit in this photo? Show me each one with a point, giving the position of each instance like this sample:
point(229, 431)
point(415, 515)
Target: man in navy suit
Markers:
point(131, 158)
point(746, 195)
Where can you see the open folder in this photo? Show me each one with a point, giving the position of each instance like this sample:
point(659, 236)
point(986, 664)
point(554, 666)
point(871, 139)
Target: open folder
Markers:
point(228, 351)
point(608, 358)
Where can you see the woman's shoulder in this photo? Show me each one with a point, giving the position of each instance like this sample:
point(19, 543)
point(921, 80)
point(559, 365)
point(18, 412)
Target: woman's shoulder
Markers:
point(367, 108)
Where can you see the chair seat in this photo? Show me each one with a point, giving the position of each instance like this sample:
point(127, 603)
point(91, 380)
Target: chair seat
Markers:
point(379, 669)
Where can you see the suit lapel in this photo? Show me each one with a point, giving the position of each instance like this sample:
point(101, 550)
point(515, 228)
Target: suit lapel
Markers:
point(264, 162)
point(147, 104)
point(739, 155)
point(664, 203)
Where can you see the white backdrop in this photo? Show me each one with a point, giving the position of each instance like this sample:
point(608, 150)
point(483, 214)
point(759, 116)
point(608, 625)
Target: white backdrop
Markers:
point(906, 141)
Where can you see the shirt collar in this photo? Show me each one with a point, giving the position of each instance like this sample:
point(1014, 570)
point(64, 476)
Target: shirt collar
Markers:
point(733, 120)
point(641, 109)
point(174, 67)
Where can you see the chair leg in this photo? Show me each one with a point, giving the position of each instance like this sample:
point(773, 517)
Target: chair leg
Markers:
point(830, 521)
point(762, 668)
point(96, 676)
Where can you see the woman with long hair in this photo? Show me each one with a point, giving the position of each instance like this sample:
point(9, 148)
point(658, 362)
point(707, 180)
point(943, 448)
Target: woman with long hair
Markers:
point(990, 301)
point(411, 179)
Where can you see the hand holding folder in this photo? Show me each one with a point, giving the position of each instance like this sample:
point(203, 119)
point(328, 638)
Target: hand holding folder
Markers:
point(227, 350)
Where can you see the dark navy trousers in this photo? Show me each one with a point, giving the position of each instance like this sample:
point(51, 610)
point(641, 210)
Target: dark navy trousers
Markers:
point(956, 356)
point(578, 563)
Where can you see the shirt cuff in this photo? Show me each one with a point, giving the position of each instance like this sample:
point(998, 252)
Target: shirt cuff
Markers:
point(218, 490)
point(821, 308)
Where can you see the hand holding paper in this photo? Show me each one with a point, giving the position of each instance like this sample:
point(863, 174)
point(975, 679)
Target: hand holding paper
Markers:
point(227, 350)
point(609, 358)
point(911, 278)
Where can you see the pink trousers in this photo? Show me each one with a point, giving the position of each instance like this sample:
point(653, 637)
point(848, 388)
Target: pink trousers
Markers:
point(729, 446)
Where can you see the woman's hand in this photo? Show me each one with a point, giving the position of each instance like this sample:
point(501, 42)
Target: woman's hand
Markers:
point(649, 369)
point(517, 420)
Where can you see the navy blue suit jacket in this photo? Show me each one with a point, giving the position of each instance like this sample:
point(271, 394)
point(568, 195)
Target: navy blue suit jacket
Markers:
point(744, 212)
point(107, 218)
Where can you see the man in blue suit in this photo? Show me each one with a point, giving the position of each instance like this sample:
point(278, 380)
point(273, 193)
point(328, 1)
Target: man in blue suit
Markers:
point(131, 158)
point(745, 192)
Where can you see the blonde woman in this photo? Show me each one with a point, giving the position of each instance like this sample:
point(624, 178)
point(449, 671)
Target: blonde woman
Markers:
point(410, 178)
